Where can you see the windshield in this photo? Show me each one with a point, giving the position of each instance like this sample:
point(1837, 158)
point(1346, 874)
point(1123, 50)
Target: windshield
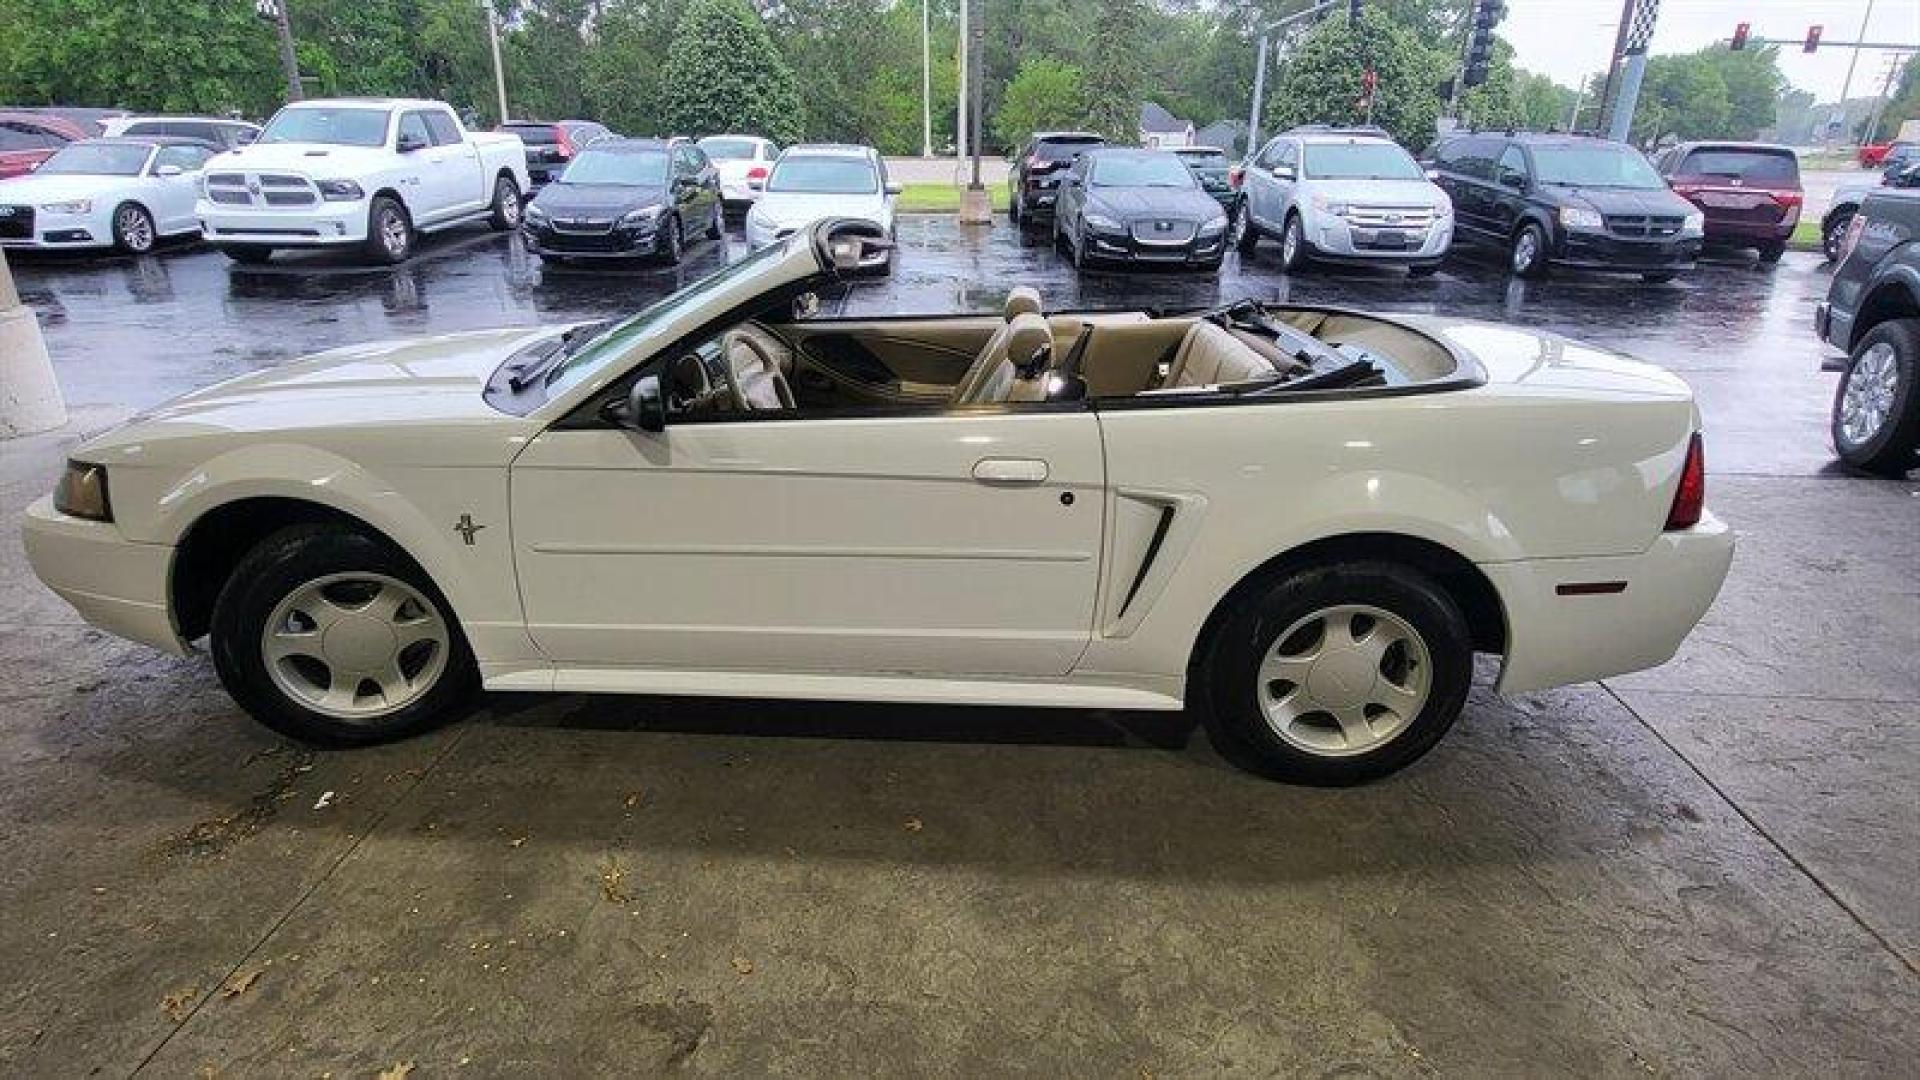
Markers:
point(335, 127)
point(824, 175)
point(625, 168)
point(728, 149)
point(619, 337)
point(1358, 161)
point(533, 134)
point(1747, 166)
point(1141, 170)
point(1205, 159)
point(1065, 149)
point(97, 159)
point(1595, 166)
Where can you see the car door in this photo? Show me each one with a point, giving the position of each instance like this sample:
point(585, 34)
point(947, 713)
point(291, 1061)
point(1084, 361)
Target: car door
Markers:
point(1070, 196)
point(1472, 175)
point(1257, 182)
point(1514, 178)
point(173, 193)
point(936, 542)
point(456, 164)
point(425, 189)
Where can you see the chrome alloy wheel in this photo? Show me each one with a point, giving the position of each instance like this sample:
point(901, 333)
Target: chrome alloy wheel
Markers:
point(1345, 680)
point(393, 232)
point(508, 199)
point(1867, 402)
point(135, 228)
point(1526, 250)
point(355, 646)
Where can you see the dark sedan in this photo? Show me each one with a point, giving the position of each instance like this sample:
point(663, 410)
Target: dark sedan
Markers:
point(1217, 175)
point(625, 198)
point(1139, 206)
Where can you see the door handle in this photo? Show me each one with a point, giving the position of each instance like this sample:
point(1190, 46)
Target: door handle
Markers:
point(1010, 470)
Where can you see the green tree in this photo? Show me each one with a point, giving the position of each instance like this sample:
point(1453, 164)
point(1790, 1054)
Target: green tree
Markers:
point(620, 77)
point(723, 74)
point(1540, 102)
point(1113, 80)
point(158, 55)
point(1903, 105)
point(545, 58)
point(1320, 81)
point(1046, 94)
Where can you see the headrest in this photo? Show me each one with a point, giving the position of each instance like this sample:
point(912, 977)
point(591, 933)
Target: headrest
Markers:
point(1024, 300)
point(1027, 334)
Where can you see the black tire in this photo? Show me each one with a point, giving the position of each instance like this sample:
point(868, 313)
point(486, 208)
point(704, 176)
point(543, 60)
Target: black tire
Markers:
point(1232, 697)
point(1249, 234)
point(1422, 269)
point(1771, 253)
point(672, 243)
point(1294, 256)
point(1077, 248)
point(1525, 261)
point(278, 567)
point(1888, 448)
point(718, 226)
point(1212, 264)
point(133, 230)
point(1834, 232)
point(247, 254)
point(1013, 212)
point(506, 205)
point(389, 232)
point(1657, 277)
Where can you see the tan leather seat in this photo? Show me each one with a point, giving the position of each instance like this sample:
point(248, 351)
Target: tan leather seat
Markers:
point(1211, 356)
point(1023, 300)
point(1026, 336)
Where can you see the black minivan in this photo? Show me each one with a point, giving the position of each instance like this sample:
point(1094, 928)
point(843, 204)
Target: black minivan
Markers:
point(1566, 200)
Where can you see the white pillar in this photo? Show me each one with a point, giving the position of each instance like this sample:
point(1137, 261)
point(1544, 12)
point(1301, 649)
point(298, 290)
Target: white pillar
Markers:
point(29, 397)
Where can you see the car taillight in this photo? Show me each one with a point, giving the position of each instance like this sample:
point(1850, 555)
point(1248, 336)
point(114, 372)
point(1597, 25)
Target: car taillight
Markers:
point(1690, 501)
point(758, 172)
point(565, 143)
point(1854, 228)
point(1234, 176)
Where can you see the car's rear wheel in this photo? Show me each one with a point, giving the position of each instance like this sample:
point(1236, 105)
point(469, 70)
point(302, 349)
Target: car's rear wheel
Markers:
point(1293, 245)
point(336, 638)
point(248, 254)
point(389, 232)
point(1771, 252)
point(1249, 234)
point(133, 230)
point(1337, 674)
point(1876, 414)
point(1834, 234)
point(1013, 212)
point(671, 244)
point(717, 227)
point(1528, 256)
point(506, 205)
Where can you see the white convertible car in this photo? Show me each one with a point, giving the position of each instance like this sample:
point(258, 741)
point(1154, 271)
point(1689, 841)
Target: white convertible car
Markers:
point(1302, 522)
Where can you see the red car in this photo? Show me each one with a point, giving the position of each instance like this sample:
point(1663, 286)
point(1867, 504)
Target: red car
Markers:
point(27, 139)
point(1749, 192)
point(1872, 154)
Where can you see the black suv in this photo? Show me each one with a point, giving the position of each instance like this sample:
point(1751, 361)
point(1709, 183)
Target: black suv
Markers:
point(1033, 181)
point(1872, 312)
point(1566, 200)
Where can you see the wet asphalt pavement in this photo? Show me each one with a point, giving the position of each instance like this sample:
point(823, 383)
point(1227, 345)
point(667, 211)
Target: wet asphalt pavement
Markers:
point(1707, 869)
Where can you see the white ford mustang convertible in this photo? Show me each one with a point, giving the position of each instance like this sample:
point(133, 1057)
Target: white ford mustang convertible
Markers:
point(1301, 522)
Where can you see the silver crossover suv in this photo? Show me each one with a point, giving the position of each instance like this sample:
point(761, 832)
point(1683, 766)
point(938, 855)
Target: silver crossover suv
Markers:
point(1348, 195)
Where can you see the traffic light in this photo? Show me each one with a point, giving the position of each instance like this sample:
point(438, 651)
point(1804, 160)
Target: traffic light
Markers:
point(1486, 15)
point(1739, 36)
point(1813, 39)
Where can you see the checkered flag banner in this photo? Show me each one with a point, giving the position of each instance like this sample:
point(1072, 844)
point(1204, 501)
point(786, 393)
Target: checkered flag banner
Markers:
point(1640, 31)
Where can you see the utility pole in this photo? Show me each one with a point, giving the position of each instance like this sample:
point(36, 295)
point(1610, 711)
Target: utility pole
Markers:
point(960, 119)
point(1259, 95)
point(975, 207)
point(1880, 103)
point(1847, 86)
point(499, 73)
point(1639, 41)
point(283, 28)
point(926, 82)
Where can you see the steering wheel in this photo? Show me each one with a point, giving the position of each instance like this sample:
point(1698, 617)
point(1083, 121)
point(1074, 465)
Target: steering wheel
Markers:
point(754, 376)
point(690, 385)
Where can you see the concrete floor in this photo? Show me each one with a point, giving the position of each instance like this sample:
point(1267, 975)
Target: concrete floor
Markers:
point(1708, 869)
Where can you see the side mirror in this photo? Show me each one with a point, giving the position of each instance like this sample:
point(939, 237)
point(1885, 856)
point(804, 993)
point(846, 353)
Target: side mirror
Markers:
point(407, 144)
point(646, 405)
point(1515, 180)
point(167, 170)
point(806, 306)
point(1284, 172)
point(894, 187)
point(1433, 174)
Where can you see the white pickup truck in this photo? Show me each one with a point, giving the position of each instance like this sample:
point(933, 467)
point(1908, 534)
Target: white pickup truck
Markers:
point(367, 172)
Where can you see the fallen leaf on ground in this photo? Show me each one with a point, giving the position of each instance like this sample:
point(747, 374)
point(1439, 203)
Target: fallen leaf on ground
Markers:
point(913, 824)
point(516, 841)
point(400, 1071)
point(325, 800)
point(613, 882)
point(633, 799)
point(241, 982)
point(177, 1004)
point(743, 965)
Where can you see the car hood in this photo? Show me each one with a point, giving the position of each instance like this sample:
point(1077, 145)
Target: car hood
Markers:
point(308, 158)
point(1625, 201)
point(787, 209)
point(1420, 192)
point(386, 386)
point(39, 188)
point(562, 199)
point(1172, 204)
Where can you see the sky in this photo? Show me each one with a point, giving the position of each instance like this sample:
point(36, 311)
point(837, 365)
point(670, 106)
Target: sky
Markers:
point(1569, 39)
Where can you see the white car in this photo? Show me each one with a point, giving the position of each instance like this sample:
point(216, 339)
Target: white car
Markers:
point(120, 193)
point(742, 160)
point(1301, 521)
point(1344, 195)
point(370, 173)
point(225, 134)
point(818, 181)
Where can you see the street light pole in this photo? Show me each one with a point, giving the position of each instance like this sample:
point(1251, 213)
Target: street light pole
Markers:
point(1259, 95)
point(289, 64)
point(926, 82)
point(1847, 86)
point(960, 118)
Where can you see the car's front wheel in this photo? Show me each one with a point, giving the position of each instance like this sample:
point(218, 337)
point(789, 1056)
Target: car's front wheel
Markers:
point(1337, 674)
point(672, 244)
point(717, 225)
point(505, 213)
point(1293, 245)
point(1876, 414)
point(333, 637)
point(1247, 238)
point(1528, 257)
point(133, 230)
point(389, 231)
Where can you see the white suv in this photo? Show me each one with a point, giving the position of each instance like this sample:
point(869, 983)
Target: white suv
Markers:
point(1344, 195)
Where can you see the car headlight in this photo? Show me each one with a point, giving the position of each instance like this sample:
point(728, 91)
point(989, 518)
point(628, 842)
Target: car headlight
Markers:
point(1580, 217)
point(1694, 224)
point(82, 492)
point(535, 214)
point(77, 206)
point(1329, 206)
point(1214, 227)
point(1102, 221)
point(340, 191)
point(644, 218)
